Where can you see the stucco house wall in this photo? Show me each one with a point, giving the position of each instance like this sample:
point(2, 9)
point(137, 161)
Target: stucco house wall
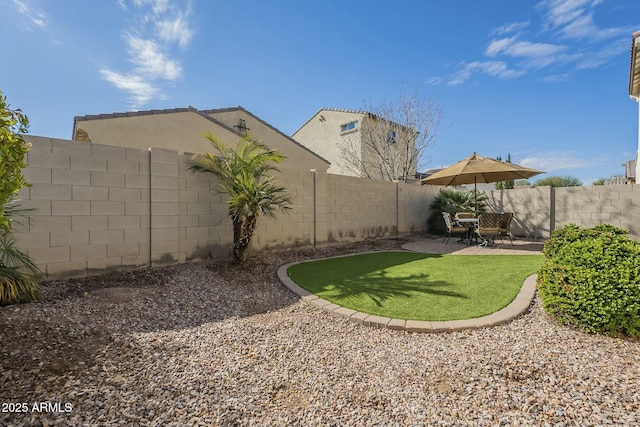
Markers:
point(322, 134)
point(183, 130)
point(303, 157)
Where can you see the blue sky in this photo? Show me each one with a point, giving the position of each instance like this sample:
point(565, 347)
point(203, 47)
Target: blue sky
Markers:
point(546, 81)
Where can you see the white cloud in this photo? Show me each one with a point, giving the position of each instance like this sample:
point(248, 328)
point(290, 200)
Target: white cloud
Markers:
point(573, 19)
point(562, 12)
point(176, 30)
point(556, 78)
point(157, 6)
point(554, 160)
point(514, 48)
point(511, 28)
point(497, 46)
point(36, 17)
point(603, 55)
point(496, 69)
point(160, 25)
point(570, 40)
point(434, 81)
point(140, 91)
point(150, 61)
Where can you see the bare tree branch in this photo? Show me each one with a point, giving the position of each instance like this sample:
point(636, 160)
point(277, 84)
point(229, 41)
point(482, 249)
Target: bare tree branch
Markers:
point(393, 139)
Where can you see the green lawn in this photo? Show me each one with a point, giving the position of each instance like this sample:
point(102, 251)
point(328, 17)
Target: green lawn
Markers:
point(408, 285)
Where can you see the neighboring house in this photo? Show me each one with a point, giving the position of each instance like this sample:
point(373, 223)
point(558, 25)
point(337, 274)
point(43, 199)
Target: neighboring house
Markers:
point(358, 143)
point(630, 168)
point(183, 130)
point(629, 175)
point(634, 85)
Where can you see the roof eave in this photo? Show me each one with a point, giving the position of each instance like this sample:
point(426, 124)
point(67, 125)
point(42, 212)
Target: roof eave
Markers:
point(634, 69)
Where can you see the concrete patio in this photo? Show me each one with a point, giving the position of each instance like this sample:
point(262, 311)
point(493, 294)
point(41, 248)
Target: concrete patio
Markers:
point(436, 246)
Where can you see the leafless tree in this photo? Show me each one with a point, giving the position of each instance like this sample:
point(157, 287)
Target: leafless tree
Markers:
point(392, 141)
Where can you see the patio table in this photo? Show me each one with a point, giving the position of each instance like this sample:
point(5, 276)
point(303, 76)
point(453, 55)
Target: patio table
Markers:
point(471, 224)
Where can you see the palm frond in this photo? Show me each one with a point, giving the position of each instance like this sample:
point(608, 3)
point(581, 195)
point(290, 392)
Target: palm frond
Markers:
point(11, 256)
point(16, 287)
point(243, 174)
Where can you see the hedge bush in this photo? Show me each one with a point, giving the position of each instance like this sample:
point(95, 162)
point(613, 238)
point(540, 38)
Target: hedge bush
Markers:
point(591, 279)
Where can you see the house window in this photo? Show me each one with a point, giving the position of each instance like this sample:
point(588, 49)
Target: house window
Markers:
point(348, 126)
point(392, 137)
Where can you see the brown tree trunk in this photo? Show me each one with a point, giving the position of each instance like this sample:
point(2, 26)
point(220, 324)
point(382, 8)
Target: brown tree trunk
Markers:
point(242, 233)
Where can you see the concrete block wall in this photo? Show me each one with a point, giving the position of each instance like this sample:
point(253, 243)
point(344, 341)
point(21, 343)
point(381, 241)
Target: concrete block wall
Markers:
point(330, 208)
point(539, 211)
point(353, 209)
point(531, 207)
point(414, 203)
point(618, 205)
point(104, 207)
point(87, 200)
point(295, 228)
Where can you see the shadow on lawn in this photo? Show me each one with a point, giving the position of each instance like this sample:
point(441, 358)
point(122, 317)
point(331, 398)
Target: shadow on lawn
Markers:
point(350, 277)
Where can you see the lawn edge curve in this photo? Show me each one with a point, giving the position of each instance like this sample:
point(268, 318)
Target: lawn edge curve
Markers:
point(514, 309)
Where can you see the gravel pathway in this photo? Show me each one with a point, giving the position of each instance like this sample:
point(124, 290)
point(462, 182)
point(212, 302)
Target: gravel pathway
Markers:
point(206, 344)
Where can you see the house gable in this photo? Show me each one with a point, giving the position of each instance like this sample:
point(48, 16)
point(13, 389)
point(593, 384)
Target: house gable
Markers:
point(357, 143)
point(244, 122)
point(183, 130)
point(327, 130)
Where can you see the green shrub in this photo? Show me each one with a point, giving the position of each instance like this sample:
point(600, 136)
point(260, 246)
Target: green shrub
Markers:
point(452, 201)
point(13, 149)
point(591, 279)
point(571, 233)
point(18, 273)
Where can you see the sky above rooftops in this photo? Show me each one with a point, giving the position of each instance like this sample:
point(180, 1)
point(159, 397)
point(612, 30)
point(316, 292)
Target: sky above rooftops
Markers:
point(545, 81)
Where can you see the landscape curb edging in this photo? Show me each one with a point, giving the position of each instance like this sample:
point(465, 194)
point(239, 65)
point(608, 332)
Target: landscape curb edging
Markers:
point(519, 305)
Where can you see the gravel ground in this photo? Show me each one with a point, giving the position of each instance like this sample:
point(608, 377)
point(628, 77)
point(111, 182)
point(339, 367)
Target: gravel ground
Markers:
point(207, 344)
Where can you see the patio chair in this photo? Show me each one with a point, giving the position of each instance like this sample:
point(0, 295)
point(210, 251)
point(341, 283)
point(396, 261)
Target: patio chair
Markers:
point(452, 228)
point(505, 226)
point(488, 227)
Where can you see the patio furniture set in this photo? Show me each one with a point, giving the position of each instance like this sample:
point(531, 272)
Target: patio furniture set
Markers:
point(484, 228)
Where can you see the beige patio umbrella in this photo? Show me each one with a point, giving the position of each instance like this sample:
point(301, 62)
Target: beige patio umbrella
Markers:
point(478, 169)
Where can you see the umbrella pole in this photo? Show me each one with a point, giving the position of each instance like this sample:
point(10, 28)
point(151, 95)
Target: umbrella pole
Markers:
point(475, 195)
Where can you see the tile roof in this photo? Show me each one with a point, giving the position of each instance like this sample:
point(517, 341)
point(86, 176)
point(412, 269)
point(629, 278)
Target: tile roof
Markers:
point(88, 117)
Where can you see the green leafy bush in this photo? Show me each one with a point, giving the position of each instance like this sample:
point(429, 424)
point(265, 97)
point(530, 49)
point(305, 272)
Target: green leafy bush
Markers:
point(571, 233)
point(452, 201)
point(18, 273)
point(13, 149)
point(591, 279)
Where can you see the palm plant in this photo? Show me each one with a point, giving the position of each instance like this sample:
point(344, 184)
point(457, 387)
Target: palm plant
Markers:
point(243, 174)
point(452, 201)
point(18, 272)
